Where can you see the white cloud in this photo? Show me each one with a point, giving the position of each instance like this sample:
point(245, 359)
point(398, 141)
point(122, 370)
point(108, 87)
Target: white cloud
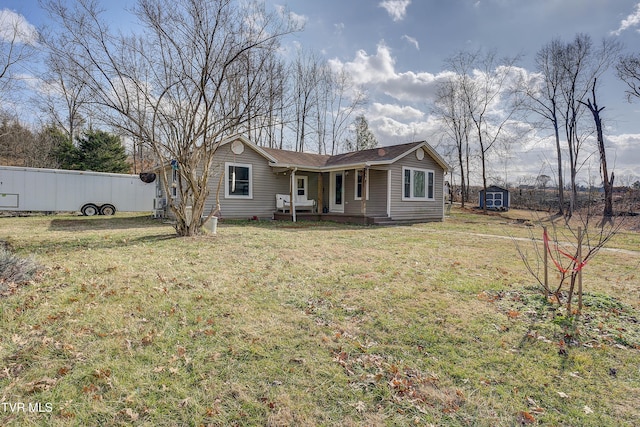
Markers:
point(367, 69)
point(412, 41)
point(338, 28)
point(396, 111)
point(298, 20)
point(397, 9)
point(14, 27)
point(391, 131)
point(622, 152)
point(378, 72)
point(630, 21)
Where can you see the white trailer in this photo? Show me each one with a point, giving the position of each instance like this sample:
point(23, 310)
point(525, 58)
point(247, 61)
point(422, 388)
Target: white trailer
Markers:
point(56, 190)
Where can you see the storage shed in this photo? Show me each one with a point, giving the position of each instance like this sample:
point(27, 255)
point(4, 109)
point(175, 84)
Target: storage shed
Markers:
point(497, 198)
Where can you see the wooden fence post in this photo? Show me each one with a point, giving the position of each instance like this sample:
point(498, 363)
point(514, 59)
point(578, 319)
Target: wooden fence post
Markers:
point(546, 267)
point(579, 265)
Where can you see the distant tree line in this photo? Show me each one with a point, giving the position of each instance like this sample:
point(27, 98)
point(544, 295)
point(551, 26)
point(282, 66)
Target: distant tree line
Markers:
point(93, 150)
point(562, 94)
point(196, 74)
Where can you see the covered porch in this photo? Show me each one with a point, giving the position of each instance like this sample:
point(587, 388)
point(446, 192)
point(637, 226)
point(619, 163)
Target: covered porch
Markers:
point(357, 195)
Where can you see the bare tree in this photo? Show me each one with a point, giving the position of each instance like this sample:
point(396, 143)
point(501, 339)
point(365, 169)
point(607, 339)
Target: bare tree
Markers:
point(574, 60)
point(607, 180)
point(307, 75)
point(582, 64)
point(566, 72)
point(557, 248)
point(450, 109)
point(485, 84)
point(191, 78)
point(544, 97)
point(274, 121)
point(346, 100)
point(628, 70)
point(65, 96)
point(18, 44)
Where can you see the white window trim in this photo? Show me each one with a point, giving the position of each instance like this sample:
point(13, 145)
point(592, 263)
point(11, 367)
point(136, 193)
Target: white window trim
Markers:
point(355, 187)
point(226, 180)
point(412, 198)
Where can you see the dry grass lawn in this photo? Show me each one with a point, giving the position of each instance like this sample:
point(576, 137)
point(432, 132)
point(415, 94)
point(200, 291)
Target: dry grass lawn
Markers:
point(311, 324)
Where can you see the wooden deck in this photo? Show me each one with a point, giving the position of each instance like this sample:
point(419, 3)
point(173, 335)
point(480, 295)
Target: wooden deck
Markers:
point(335, 217)
point(346, 219)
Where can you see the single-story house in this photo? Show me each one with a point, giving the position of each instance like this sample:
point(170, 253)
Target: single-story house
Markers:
point(498, 198)
point(382, 185)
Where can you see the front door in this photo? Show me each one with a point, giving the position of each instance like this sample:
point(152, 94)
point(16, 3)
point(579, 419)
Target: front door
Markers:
point(337, 192)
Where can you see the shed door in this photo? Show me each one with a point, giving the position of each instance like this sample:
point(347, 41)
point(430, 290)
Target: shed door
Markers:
point(494, 200)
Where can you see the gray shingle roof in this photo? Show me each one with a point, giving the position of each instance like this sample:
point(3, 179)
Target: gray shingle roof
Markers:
point(374, 155)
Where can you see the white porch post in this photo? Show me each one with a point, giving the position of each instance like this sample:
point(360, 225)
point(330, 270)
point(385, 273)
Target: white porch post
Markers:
point(292, 191)
point(364, 193)
point(389, 192)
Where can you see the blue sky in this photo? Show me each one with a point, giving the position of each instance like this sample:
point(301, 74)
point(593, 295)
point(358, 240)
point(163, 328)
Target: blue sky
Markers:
point(396, 50)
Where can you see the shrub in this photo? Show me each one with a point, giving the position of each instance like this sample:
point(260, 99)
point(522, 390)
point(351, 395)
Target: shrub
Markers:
point(15, 269)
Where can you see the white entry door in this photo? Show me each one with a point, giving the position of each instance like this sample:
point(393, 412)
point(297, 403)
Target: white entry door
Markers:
point(336, 202)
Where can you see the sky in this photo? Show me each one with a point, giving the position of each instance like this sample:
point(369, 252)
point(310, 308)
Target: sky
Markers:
point(396, 51)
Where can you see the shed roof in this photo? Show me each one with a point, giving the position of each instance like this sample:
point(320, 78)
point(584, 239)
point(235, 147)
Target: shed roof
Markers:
point(495, 188)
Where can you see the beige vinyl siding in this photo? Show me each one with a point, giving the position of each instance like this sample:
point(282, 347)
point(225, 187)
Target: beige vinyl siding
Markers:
point(377, 203)
point(377, 200)
point(266, 184)
point(416, 209)
point(351, 206)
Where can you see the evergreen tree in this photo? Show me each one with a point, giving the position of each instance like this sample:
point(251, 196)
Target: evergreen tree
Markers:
point(67, 155)
point(101, 151)
point(364, 138)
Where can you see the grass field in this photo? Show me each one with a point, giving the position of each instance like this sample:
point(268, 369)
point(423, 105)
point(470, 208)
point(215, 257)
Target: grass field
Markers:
point(311, 324)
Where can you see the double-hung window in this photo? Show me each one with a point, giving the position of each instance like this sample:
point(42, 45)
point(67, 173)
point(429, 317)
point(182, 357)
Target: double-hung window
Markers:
point(417, 184)
point(358, 190)
point(238, 181)
point(174, 183)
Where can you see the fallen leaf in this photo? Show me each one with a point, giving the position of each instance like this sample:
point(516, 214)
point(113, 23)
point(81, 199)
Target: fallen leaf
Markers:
point(525, 418)
point(562, 394)
point(102, 373)
point(587, 410)
point(133, 415)
point(41, 385)
point(512, 314)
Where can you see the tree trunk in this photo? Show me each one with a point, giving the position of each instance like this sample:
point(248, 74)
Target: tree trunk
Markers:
point(607, 181)
point(560, 179)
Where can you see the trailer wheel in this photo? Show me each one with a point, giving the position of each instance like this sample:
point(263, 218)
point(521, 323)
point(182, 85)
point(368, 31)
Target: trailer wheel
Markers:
point(107, 210)
point(89, 210)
